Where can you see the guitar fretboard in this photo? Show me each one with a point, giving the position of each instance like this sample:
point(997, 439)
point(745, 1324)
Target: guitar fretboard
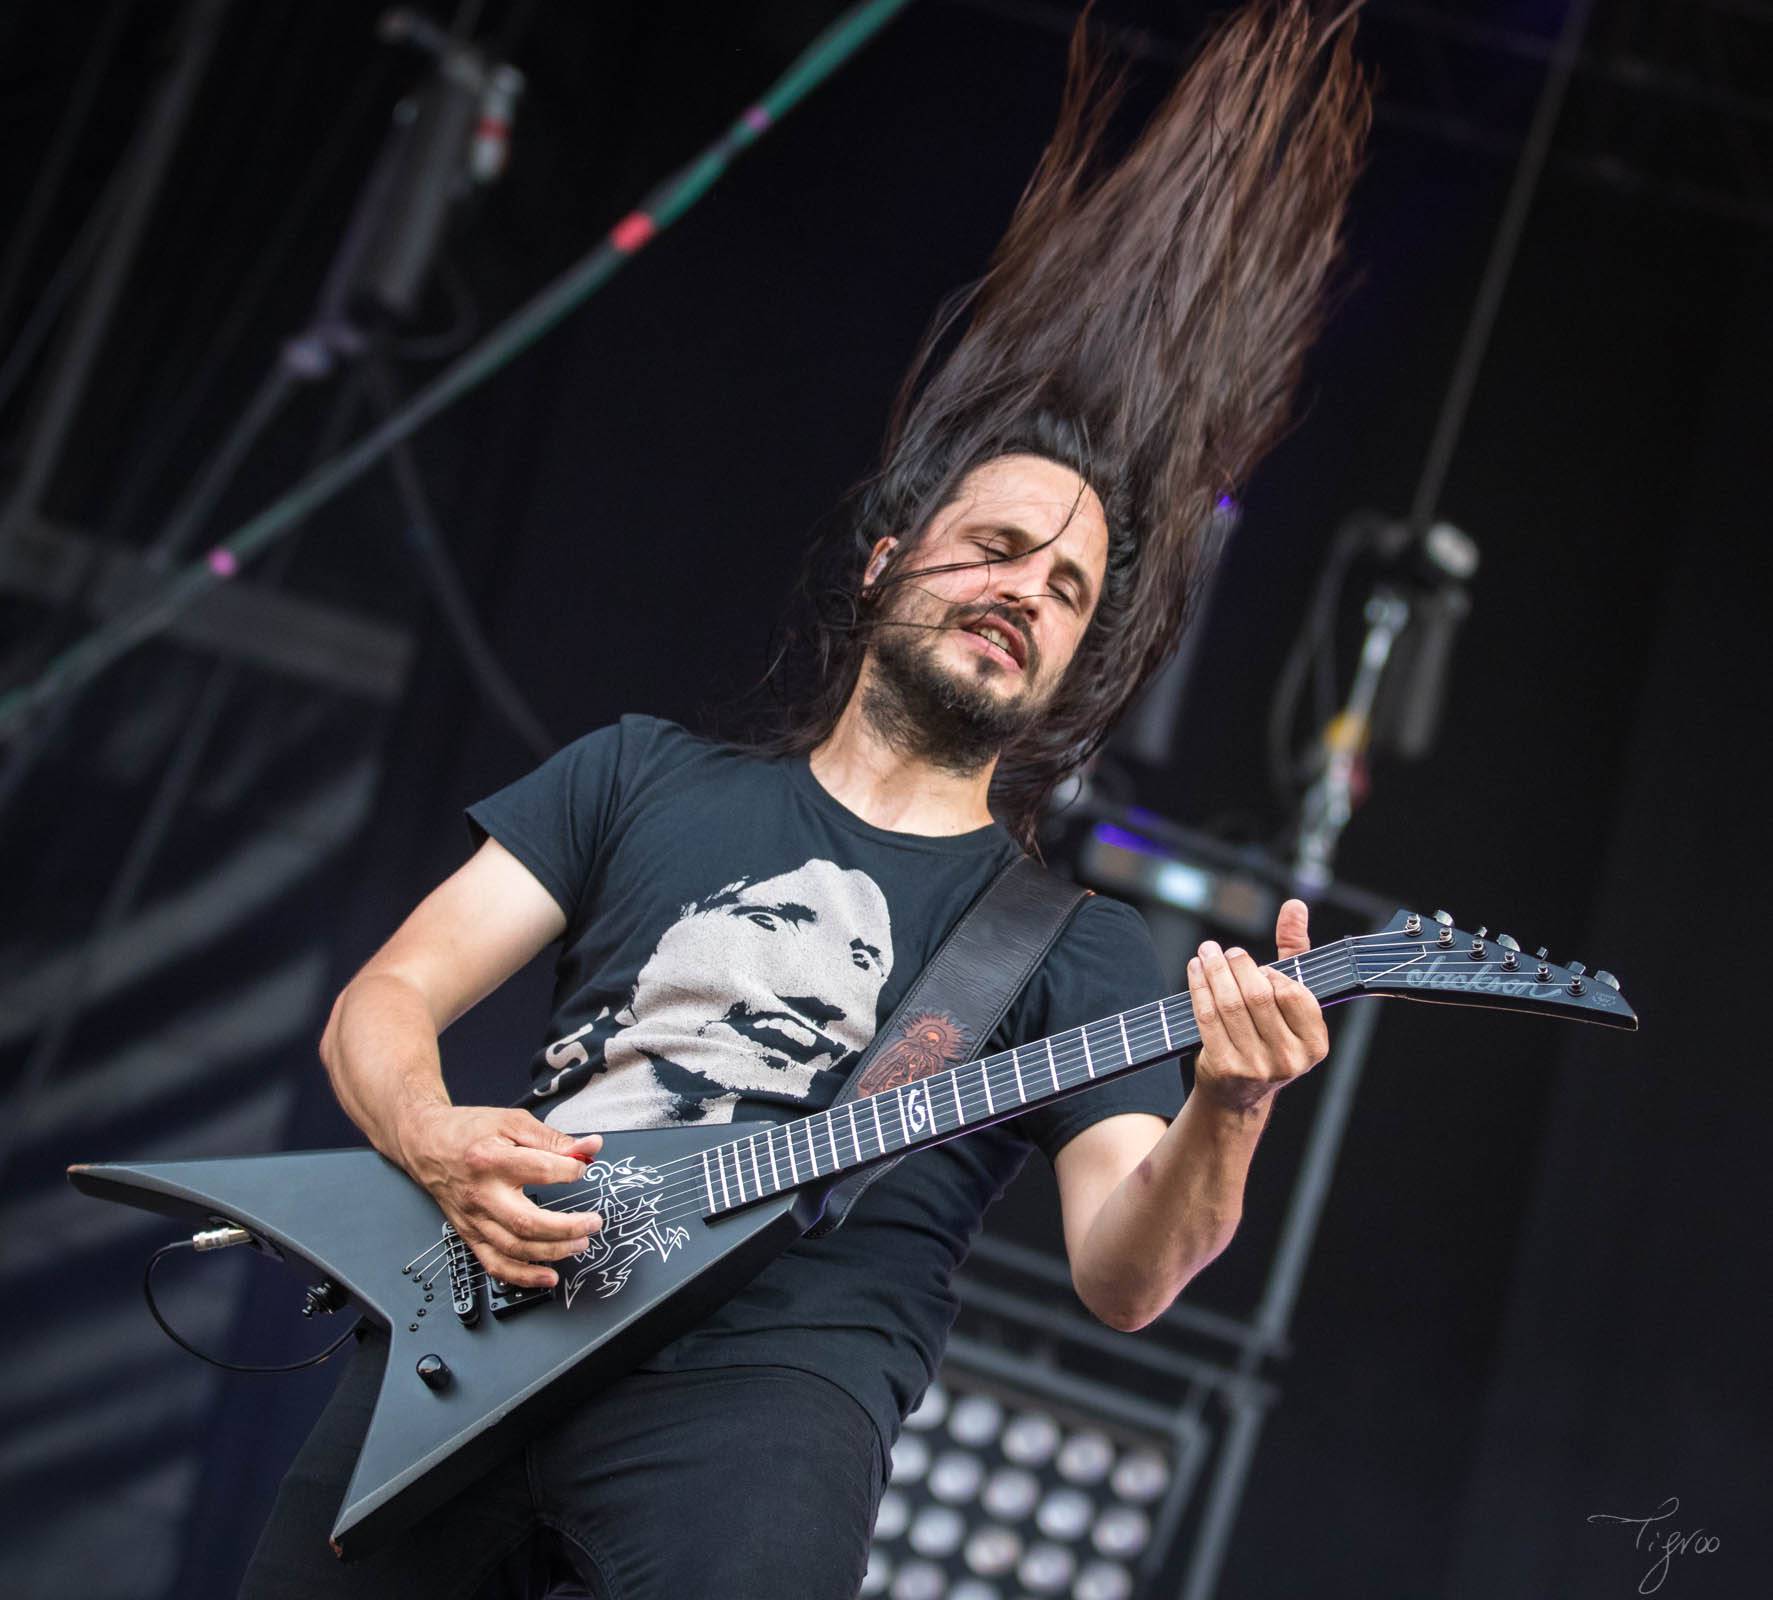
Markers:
point(976, 1094)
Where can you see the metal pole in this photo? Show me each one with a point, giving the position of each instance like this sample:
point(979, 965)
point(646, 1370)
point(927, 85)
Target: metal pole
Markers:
point(1281, 1292)
point(164, 121)
point(1312, 1187)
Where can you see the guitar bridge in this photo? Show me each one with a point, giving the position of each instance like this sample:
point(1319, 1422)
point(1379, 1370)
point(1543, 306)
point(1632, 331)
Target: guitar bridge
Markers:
point(464, 1294)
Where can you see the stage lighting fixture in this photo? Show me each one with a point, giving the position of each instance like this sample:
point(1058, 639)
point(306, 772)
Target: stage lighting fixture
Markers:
point(1031, 1439)
point(1010, 1494)
point(956, 1475)
point(936, 1531)
point(911, 1458)
point(1005, 1492)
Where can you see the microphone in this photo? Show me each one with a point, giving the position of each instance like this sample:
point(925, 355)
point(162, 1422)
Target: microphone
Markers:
point(1437, 564)
point(1440, 554)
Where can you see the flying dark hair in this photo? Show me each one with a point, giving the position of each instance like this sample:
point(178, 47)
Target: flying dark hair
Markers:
point(1144, 326)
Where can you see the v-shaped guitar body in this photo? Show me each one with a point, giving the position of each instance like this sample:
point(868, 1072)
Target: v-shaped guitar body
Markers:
point(496, 1373)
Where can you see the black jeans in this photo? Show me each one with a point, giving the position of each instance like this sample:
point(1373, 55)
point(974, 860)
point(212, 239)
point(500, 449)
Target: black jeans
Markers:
point(740, 1482)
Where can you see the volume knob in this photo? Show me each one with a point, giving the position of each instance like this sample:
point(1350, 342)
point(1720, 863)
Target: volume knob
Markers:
point(433, 1372)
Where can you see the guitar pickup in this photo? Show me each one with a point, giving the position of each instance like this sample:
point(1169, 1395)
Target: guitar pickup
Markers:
point(508, 1297)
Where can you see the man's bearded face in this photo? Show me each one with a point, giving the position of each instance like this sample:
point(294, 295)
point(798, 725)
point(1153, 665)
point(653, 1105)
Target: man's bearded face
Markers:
point(963, 661)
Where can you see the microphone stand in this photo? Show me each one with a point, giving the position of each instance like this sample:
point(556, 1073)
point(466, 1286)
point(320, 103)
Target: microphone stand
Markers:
point(1330, 801)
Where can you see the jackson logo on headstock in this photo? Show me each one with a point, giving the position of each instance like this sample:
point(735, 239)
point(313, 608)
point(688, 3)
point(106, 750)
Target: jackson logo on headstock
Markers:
point(927, 1043)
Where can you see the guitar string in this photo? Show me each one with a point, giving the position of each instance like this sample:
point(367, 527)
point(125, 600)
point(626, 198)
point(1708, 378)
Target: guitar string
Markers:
point(688, 1175)
point(690, 1180)
point(694, 1183)
point(686, 1170)
point(672, 1206)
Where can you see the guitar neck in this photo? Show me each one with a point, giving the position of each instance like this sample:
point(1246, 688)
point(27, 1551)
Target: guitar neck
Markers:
point(932, 1109)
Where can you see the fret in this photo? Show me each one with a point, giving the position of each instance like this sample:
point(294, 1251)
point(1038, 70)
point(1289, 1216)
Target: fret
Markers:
point(960, 1117)
point(1163, 1017)
point(738, 1172)
point(1016, 1064)
point(879, 1132)
point(1089, 1065)
point(756, 1176)
point(985, 1078)
point(788, 1140)
point(769, 1140)
point(1052, 1065)
point(855, 1143)
point(708, 1179)
point(812, 1154)
point(720, 1166)
point(831, 1139)
point(1125, 1043)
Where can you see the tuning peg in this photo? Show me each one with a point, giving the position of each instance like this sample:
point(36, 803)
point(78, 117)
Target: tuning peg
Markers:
point(1412, 924)
point(1607, 978)
point(1543, 953)
point(1578, 968)
point(1511, 952)
point(1576, 985)
point(1445, 919)
point(1507, 941)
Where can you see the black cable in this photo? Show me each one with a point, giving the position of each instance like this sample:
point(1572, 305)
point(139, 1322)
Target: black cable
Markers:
point(203, 1355)
point(1498, 268)
point(1313, 650)
point(460, 333)
point(491, 681)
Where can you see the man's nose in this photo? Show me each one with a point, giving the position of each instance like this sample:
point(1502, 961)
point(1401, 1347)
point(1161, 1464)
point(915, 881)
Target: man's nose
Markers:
point(1020, 593)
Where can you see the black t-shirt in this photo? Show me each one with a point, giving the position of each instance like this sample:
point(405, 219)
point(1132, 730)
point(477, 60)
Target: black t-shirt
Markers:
point(735, 936)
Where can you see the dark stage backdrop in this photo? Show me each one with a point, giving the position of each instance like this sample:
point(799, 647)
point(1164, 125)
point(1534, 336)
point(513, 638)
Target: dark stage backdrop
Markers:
point(1532, 1299)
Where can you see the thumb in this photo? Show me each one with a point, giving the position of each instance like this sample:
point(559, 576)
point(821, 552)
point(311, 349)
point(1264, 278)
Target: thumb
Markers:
point(1292, 935)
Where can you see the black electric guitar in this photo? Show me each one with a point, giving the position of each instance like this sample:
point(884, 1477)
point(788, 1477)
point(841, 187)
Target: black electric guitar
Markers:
point(691, 1214)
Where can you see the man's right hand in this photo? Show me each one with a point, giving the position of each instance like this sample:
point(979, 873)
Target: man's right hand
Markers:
point(475, 1161)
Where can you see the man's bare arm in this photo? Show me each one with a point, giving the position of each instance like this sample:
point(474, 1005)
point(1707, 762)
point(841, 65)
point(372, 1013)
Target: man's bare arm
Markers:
point(1147, 1207)
point(463, 940)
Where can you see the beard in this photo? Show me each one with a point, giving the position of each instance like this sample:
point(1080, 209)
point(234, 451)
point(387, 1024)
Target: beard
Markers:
point(944, 715)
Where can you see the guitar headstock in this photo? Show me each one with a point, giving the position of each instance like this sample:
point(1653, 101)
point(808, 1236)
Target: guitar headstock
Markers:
point(1418, 957)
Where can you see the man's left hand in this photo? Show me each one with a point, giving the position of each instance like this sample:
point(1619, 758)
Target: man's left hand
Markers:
point(1259, 1028)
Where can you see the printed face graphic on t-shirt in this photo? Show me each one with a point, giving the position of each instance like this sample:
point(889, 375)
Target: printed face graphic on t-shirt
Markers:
point(753, 989)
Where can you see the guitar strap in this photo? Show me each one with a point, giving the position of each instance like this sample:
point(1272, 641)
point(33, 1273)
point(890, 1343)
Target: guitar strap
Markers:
point(960, 996)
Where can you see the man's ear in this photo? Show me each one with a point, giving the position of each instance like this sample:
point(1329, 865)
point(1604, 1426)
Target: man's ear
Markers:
point(878, 558)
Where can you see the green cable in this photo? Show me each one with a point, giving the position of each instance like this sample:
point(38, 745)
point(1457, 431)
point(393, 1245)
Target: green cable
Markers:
point(667, 202)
